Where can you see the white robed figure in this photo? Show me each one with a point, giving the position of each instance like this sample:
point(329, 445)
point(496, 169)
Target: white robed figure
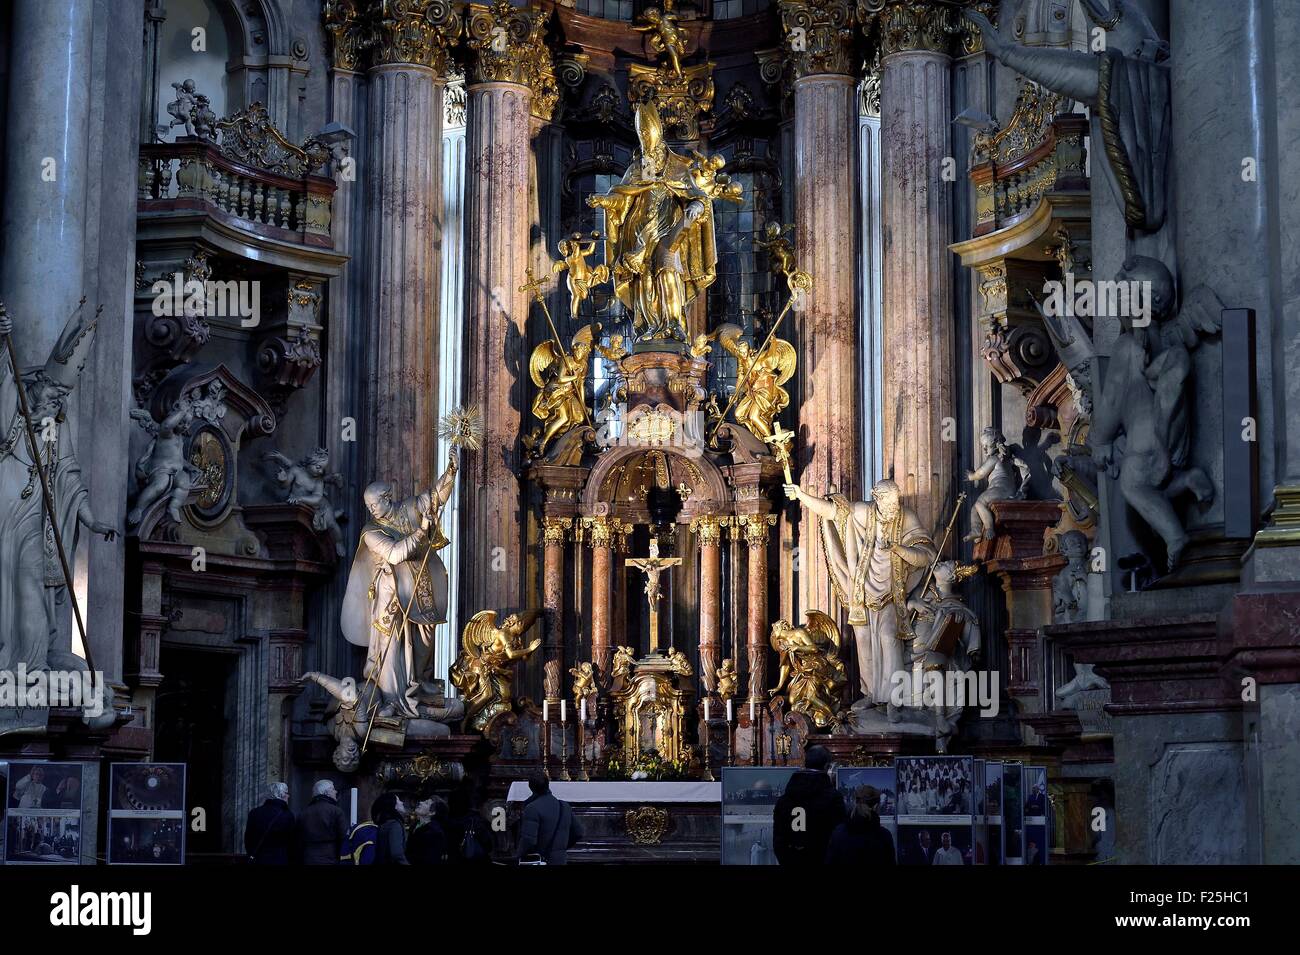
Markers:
point(876, 552)
point(397, 596)
point(33, 590)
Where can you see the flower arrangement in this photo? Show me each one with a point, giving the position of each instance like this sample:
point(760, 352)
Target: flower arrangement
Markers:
point(647, 766)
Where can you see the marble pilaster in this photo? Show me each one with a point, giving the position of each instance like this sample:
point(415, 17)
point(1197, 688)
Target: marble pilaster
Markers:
point(601, 537)
point(819, 45)
point(708, 533)
point(918, 386)
point(555, 534)
point(756, 535)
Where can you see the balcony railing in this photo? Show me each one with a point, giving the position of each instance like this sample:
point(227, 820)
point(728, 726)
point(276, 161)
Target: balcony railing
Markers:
point(253, 180)
point(1040, 150)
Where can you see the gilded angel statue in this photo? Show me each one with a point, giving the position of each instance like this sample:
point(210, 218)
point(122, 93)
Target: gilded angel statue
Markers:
point(666, 37)
point(484, 671)
point(728, 679)
point(584, 681)
point(811, 668)
point(561, 404)
point(583, 276)
point(779, 249)
point(759, 377)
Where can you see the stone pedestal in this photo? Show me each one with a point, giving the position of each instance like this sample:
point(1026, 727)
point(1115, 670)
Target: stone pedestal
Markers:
point(918, 337)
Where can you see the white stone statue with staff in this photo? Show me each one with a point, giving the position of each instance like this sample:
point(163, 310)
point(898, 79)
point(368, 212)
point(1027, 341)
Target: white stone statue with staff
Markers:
point(397, 589)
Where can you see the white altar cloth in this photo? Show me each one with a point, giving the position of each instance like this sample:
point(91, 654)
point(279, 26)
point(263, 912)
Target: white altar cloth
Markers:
point(618, 791)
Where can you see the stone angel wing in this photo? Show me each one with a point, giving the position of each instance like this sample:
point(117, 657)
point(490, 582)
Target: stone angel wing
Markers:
point(1200, 315)
point(824, 627)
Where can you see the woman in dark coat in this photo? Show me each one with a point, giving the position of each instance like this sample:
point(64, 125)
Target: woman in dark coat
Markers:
point(387, 813)
point(861, 839)
point(428, 842)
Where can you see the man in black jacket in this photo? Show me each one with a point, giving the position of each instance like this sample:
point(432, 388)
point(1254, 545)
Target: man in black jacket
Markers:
point(322, 826)
point(807, 812)
point(549, 828)
point(268, 833)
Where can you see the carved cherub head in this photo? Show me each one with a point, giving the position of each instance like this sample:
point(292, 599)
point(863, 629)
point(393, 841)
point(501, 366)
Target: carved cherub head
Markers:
point(317, 462)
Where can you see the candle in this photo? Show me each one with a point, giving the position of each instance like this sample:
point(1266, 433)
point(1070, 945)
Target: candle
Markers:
point(564, 711)
point(354, 805)
point(753, 710)
point(546, 711)
point(706, 709)
point(582, 709)
point(729, 713)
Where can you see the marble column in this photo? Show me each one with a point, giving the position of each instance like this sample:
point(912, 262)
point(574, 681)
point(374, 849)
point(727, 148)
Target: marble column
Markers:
point(47, 169)
point(819, 44)
point(756, 535)
point(497, 219)
point(920, 423)
point(555, 536)
point(601, 537)
point(404, 211)
point(708, 534)
point(346, 366)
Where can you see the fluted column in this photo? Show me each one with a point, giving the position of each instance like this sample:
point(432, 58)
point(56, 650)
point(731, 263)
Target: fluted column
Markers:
point(507, 43)
point(404, 212)
point(756, 533)
point(47, 150)
point(708, 534)
point(555, 535)
point(600, 534)
point(919, 425)
point(819, 44)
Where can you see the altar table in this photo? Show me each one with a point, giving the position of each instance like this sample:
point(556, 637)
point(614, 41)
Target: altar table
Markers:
point(641, 822)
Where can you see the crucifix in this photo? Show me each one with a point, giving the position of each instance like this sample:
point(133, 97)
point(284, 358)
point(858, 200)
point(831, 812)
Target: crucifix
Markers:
point(652, 566)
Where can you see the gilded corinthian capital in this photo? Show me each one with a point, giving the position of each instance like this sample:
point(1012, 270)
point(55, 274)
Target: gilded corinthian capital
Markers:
point(509, 44)
point(347, 29)
point(911, 26)
point(421, 32)
point(818, 36)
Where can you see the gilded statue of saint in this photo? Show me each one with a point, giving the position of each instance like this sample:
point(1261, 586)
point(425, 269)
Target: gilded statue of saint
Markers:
point(759, 377)
point(659, 225)
point(810, 667)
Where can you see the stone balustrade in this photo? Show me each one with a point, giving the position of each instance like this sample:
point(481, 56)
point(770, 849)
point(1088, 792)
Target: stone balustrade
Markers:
point(193, 174)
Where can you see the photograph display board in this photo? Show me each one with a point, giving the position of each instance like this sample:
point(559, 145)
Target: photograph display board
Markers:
point(43, 803)
point(936, 810)
point(146, 814)
point(1036, 817)
point(749, 794)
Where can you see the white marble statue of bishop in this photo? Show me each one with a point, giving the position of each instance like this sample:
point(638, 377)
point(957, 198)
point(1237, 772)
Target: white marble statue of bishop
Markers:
point(397, 596)
point(876, 552)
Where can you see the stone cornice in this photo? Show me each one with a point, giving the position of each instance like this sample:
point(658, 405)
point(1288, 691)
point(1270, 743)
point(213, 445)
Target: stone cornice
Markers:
point(818, 36)
point(509, 46)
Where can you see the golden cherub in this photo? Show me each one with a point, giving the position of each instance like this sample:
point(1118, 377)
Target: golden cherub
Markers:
point(666, 37)
point(707, 176)
point(728, 679)
point(582, 275)
point(759, 377)
point(811, 666)
point(779, 249)
point(484, 671)
point(584, 681)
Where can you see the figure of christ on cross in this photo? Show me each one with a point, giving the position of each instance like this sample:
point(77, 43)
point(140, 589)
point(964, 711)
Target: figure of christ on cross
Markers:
point(652, 566)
